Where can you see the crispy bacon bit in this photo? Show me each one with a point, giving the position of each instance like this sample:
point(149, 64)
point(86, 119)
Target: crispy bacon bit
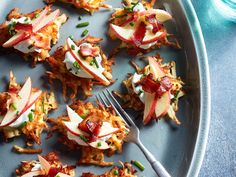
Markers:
point(24, 27)
point(155, 24)
point(139, 34)
point(151, 86)
point(86, 51)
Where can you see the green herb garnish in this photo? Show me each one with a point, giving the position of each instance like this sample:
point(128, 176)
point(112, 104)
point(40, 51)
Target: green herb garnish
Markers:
point(85, 33)
point(36, 16)
point(81, 25)
point(30, 46)
point(83, 138)
point(79, 18)
point(71, 37)
point(30, 116)
point(96, 62)
point(116, 172)
point(22, 125)
point(72, 47)
point(76, 65)
point(131, 24)
point(120, 16)
point(138, 164)
point(13, 106)
point(99, 144)
point(140, 92)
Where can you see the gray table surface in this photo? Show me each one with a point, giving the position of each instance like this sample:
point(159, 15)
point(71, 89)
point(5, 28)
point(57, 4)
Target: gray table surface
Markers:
point(220, 39)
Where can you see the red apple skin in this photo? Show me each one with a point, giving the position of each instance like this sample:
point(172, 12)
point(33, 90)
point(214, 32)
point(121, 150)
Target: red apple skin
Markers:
point(164, 101)
point(41, 16)
point(156, 69)
point(101, 78)
point(154, 39)
point(23, 110)
point(118, 35)
point(150, 104)
point(16, 39)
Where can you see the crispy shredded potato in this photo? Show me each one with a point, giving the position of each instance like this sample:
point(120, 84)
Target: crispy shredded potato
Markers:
point(89, 5)
point(89, 154)
point(52, 158)
point(21, 150)
point(49, 33)
point(126, 170)
point(131, 99)
point(121, 15)
point(32, 129)
point(70, 81)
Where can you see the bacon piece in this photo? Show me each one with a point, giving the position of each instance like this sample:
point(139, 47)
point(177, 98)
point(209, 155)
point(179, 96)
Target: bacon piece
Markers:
point(86, 50)
point(151, 86)
point(139, 34)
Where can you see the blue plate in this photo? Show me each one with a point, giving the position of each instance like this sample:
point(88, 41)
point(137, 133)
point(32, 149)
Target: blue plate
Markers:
point(180, 149)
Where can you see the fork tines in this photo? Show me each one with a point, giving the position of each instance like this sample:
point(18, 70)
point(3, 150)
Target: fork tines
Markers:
point(108, 99)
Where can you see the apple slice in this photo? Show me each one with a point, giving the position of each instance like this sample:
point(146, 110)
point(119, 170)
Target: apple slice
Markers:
point(47, 20)
point(42, 14)
point(161, 15)
point(72, 127)
point(162, 105)
point(33, 173)
point(21, 103)
point(107, 129)
point(85, 65)
point(124, 34)
point(150, 37)
point(16, 39)
point(45, 165)
point(62, 175)
point(74, 117)
point(99, 144)
point(150, 101)
point(77, 139)
point(155, 68)
point(33, 98)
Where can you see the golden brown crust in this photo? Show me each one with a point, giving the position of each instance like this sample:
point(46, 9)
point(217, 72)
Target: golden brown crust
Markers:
point(132, 100)
point(92, 155)
point(125, 171)
point(90, 6)
point(52, 158)
point(120, 16)
point(31, 129)
point(47, 34)
point(70, 81)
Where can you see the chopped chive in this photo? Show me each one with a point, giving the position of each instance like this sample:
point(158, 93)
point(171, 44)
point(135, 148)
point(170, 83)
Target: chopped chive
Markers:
point(83, 138)
point(36, 16)
point(131, 24)
point(96, 62)
point(120, 16)
point(57, 175)
point(81, 25)
point(72, 47)
point(78, 51)
point(13, 106)
point(30, 46)
point(22, 125)
point(99, 144)
point(91, 63)
point(76, 65)
point(140, 92)
point(85, 33)
point(138, 164)
point(79, 18)
point(26, 19)
point(30, 116)
point(71, 37)
point(17, 112)
point(116, 172)
point(83, 116)
point(32, 110)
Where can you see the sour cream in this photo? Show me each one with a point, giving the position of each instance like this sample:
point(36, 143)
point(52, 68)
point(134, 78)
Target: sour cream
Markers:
point(138, 89)
point(69, 61)
point(147, 46)
point(139, 7)
point(23, 118)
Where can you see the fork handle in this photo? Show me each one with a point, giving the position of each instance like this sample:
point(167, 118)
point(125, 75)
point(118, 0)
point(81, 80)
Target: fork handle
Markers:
point(156, 165)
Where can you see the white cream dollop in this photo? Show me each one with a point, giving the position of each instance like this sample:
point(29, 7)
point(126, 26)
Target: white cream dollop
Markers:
point(23, 118)
point(139, 7)
point(69, 61)
point(138, 89)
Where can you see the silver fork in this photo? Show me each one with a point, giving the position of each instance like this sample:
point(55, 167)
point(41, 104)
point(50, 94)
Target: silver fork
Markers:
point(133, 136)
